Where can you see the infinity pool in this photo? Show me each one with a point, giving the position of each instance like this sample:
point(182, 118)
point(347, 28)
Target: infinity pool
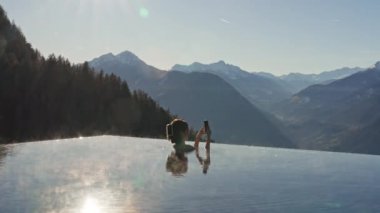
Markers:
point(125, 174)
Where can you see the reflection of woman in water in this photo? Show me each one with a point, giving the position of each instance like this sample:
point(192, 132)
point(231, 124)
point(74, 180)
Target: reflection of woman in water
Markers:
point(177, 163)
point(204, 162)
point(178, 132)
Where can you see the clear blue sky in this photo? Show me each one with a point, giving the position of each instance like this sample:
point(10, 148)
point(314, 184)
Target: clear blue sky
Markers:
point(277, 36)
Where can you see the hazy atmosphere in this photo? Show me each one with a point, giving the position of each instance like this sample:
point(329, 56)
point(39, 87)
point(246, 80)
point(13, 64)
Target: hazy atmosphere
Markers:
point(189, 106)
point(259, 35)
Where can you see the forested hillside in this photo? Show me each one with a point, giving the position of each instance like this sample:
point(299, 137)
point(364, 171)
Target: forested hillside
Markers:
point(43, 98)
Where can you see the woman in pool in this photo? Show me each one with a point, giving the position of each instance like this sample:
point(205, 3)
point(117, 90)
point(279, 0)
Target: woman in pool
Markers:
point(178, 132)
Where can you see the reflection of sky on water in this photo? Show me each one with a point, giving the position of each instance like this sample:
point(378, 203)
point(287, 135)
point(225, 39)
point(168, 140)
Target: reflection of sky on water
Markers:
point(114, 174)
point(82, 174)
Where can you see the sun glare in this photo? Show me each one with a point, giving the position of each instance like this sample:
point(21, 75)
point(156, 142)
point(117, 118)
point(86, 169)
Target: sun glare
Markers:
point(90, 206)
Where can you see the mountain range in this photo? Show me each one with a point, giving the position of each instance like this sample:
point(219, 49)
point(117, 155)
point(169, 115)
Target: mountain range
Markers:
point(341, 116)
point(265, 89)
point(295, 82)
point(335, 110)
point(50, 97)
point(259, 90)
point(199, 96)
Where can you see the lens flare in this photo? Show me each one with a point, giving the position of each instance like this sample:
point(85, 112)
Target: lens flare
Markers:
point(143, 12)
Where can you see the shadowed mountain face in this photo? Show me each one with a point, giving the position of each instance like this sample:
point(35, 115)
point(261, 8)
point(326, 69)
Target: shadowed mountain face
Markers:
point(343, 115)
point(199, 96)
point(259, 90)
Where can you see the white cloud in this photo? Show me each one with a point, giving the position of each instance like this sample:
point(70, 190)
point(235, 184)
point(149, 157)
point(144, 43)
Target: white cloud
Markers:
point(224, 21)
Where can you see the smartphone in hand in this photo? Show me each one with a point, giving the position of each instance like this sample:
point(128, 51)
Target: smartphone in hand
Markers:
point(207, 127)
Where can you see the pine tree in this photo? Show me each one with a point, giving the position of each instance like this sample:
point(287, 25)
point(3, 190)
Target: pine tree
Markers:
point(43, 98)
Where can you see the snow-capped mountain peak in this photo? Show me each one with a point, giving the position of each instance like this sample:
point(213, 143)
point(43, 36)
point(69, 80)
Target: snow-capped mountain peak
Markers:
point(128, 57)
point(103, 59)
point(219, 67)
point(125, 57)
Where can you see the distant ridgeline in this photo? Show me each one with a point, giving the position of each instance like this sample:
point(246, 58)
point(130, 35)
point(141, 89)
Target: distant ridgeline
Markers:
point(196, 96)
point(48, 98)
point(341, 116)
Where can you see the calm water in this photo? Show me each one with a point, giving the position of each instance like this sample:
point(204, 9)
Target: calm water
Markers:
point(123, 174)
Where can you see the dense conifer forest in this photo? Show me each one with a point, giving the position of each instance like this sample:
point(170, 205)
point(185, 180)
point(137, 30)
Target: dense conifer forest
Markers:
point(46, 98)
